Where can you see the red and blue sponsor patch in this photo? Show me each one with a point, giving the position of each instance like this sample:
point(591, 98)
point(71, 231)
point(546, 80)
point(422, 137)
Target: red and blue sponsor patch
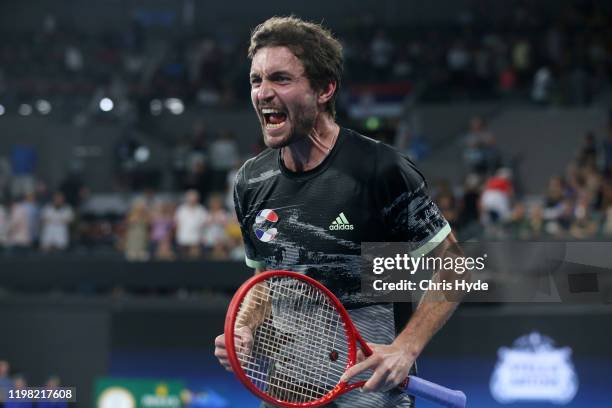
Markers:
point(264, 225)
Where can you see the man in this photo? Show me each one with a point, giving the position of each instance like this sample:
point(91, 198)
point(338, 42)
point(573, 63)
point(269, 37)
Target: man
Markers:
point(190, 218)
point(306, 203)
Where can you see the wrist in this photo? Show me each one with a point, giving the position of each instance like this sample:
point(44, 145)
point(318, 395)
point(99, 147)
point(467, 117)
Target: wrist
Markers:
point(408, 346)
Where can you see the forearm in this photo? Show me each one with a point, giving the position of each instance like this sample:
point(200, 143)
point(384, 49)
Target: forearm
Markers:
point(430, 316)
point(255, 306)
point(435, 307)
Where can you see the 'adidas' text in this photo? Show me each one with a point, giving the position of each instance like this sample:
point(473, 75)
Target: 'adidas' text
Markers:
point(340, 223)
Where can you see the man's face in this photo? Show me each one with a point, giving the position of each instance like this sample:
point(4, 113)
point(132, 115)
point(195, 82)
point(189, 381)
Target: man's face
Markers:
point(192, 198)
point(282, 96)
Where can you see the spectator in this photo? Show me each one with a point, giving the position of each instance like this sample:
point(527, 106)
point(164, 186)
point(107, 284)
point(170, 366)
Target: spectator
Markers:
point(381, 53)
point(481, 153)
point(507, 82)
point(553, 202)
point(496, 201)
point(583, 227)
point(34, 215)
point(558, 211)
point(18, 233)
point(24, 159)
point(458, 61)
point(162, 225)
point(521, 59)
point(73, 59)
point(542, 84)
point(5, 382)
point(214, 237)
point(519, 226)
point(536, 222)
point(56, 218)
point(189, 219)
point(137, 234)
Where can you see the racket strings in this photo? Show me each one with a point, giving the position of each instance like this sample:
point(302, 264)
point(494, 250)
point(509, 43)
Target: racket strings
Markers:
point(300, 347)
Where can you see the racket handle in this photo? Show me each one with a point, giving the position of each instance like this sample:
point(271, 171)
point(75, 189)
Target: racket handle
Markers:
point(436, 393)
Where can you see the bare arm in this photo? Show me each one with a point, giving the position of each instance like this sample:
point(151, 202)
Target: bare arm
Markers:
point(253, 311)
point(255, 306)
point(435, 307)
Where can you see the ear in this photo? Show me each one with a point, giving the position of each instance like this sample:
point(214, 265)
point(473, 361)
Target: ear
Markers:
point(327, 93)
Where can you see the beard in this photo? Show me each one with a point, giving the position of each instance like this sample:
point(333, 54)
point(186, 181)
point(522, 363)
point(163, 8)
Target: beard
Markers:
point(300, 125)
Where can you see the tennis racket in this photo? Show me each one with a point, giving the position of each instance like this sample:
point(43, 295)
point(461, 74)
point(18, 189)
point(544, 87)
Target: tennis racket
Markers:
point(289, 340)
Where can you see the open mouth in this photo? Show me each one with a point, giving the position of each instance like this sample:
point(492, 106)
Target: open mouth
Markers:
point(273, 118)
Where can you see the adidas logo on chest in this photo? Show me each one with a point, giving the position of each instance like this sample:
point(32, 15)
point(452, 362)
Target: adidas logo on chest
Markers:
point(341, 223)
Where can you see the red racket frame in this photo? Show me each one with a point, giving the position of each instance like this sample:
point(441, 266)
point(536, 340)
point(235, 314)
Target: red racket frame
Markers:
point(352, 336)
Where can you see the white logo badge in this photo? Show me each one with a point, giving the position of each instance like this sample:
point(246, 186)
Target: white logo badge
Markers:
point(534, 370)
point(340, 223)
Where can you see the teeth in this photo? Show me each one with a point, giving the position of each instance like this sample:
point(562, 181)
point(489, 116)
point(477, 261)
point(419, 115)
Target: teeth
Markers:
point(266, 111)
point(272, 126)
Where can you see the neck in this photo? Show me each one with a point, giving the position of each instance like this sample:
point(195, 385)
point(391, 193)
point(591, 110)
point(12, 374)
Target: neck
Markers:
point(307, 153)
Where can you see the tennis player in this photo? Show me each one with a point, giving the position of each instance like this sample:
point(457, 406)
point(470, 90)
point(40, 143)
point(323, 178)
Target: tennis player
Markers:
point(307, 202)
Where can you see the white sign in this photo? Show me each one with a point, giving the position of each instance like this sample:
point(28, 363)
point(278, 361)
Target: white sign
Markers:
point(534, 370)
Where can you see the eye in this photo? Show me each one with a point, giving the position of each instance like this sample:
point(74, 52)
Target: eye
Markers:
point(255, 81)
point(283, 79)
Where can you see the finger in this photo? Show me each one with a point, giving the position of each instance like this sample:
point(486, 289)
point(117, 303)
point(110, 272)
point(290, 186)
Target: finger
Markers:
point(360, 356)
point(391, 383)
point(220, 353)
point(220, 340)
point(243, 343)
point(359, 368)
point(243, 347)
point(376, 381)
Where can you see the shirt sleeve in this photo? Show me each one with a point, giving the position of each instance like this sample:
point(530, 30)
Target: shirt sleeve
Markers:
point(251, 257)
point(408, 213)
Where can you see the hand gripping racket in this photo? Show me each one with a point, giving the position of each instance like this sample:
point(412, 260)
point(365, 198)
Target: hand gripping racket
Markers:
point(289, 340)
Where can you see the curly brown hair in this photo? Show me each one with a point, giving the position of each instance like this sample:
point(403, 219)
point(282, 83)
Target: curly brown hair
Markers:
point(311, 43)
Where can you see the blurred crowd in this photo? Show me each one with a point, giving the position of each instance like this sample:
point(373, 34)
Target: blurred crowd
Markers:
point(576, 205)
point(562, 57)
point(16, 382)
point(201, 223)
point(143, 227)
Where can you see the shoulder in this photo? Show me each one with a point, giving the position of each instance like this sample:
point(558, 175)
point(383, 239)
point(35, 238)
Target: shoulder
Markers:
point(391, 163)
point(256, 166)
point(387, 161)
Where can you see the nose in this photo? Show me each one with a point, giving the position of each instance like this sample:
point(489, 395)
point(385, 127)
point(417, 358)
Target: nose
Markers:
point(265, 91)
